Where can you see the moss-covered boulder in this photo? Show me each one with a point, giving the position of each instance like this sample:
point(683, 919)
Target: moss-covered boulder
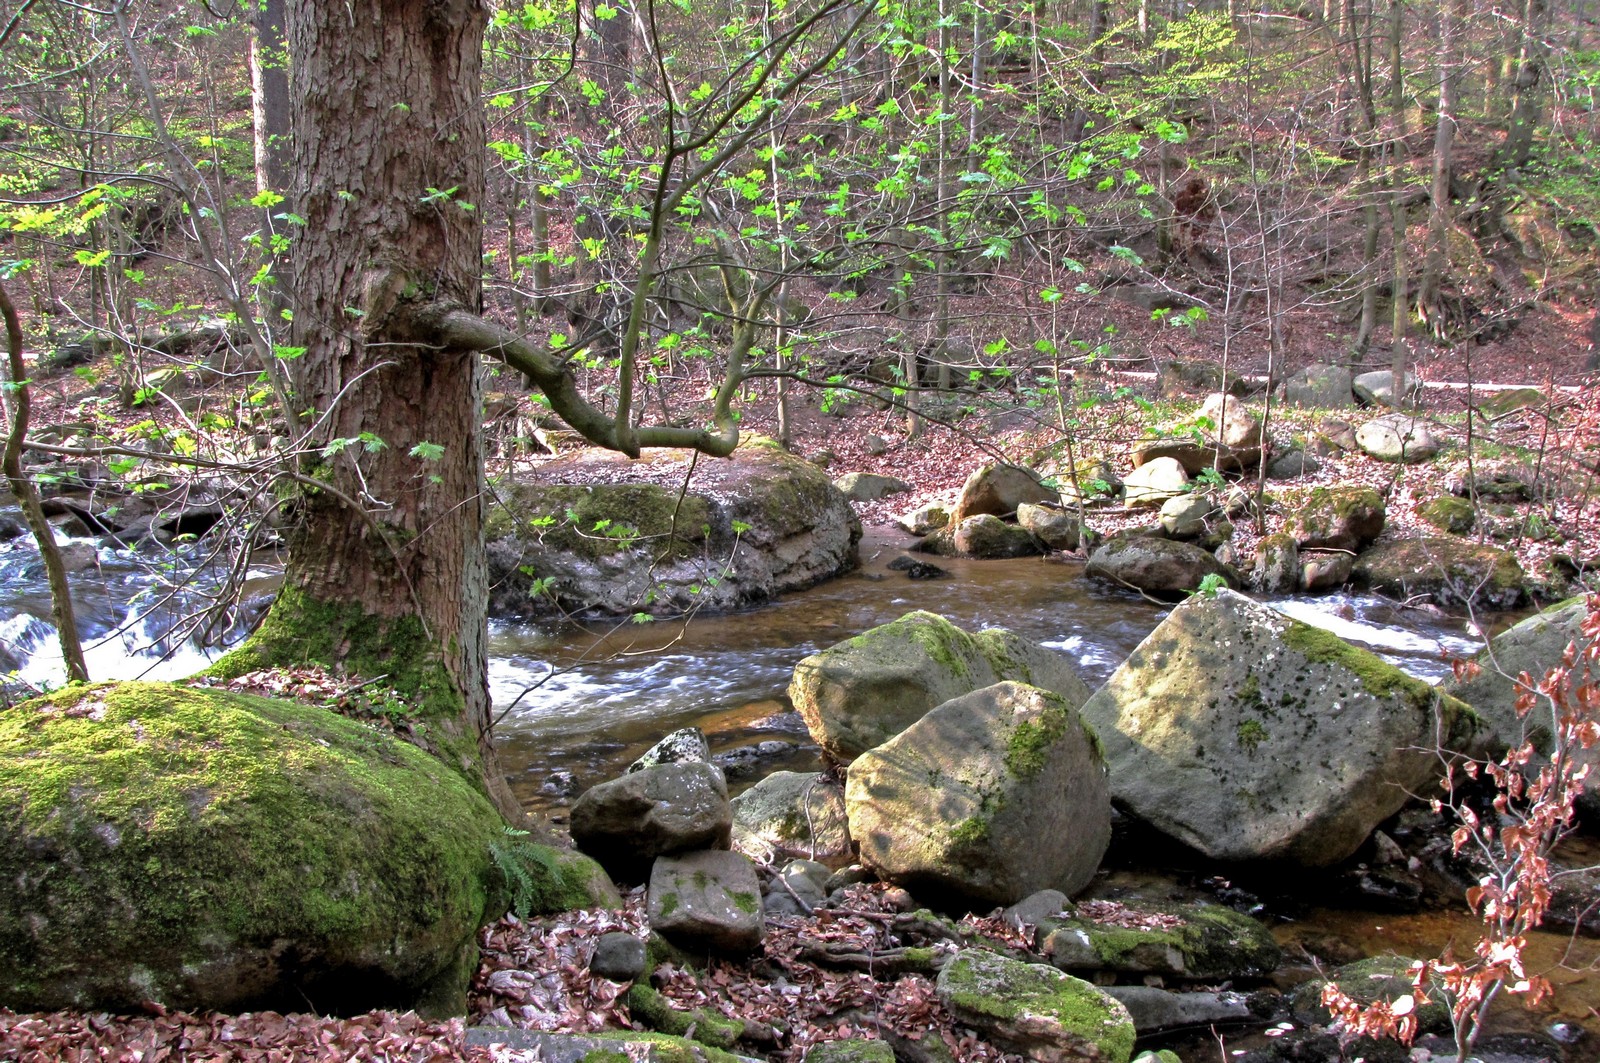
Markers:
point(1198, 941)
point(987, 799)
point(207, 850)
point(1045, 1014)
point(1449, 572)
point(984, 537)
point(851, 1051)
point(1156, 566)
point(859, 693)
point(599, 534)
point(1276, 568)
point(1449, 514)
point(1385, 978)
point(606, 1046)
point(1334, 518)
point(1251, 736)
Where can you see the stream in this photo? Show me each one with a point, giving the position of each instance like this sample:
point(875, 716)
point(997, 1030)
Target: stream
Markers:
point(577, 703)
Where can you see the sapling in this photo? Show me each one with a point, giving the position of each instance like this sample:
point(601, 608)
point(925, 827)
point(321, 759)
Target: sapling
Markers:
point(1532, 814)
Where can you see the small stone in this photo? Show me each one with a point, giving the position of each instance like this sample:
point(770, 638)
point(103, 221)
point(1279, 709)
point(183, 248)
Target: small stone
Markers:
point(685, 746)
point(1377, 388)
point(1036, 908)
point(618, 956)
point(869, 486)
point(899, 900)
point(876, 445)
point(1396, 437)
point(707, 900)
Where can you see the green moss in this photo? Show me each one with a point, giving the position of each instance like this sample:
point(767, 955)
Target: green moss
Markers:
point(596, 522)
point(999, 992)
point(669, 1048)
point(604, 1055)
point(970, 831)
point(1376, 676)
point(196, 821)
point(1449, 514)
point(669, 903)
point(748, 903)
point(1029, 743)
point(1251, 734)
point(701, 1024)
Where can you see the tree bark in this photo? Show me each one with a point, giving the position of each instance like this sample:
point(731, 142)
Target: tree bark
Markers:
point(386, 573)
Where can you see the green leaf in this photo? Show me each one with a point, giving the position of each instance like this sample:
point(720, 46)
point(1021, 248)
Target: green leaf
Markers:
point(428, 451)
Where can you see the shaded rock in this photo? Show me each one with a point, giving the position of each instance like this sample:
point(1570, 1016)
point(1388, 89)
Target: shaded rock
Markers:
point(1036, 908)
point(915, 569)
point(1276, 569)
point(1377, 388)
point(1324, 570)
point(1153, 1009)
point(1293, 464)
point(1155, 481)
point(685, 746)
point(1534, 646)
point(1325, 387)
point(1336, 518)
point(1036, 1010)
point(1089, 479)
point(1054, 526)
point(876, 445)
point(792, 814)
point(1386, 978)
point(1199, 941)
point(1185, 376)
point(1341, 434)
point(988, 798)
point(708, 900)
point(861, 692)
point(210, 850)
point(1222, 434)
point(999, 489)
point(1250, 736)
point(627, 822)
point(1156, 566)
point(1448, 514)
point(925, 519)
point(1452, 573)
point(1188, 516)
point(1502, 480)
point(1397, 437)
point(618, 956)
point(12, 524)
point(869, 486)
point(753, 526)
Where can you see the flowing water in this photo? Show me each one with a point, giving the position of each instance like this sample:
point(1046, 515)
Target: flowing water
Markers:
point(578, 703)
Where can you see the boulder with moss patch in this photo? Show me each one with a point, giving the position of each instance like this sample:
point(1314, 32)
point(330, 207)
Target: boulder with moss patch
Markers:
point(211, 850)
point(708, 900)
point(988, 798)
point(1156, 566)
point(1173, 940)
point(792, 814)
point(984, 537)
point(1334, 518)
point(623, 536)
point(1251, 736)
point(851, 1051)
point(860, 693)
point(1385, 978)
point(1449, 572)
point(1449, 514)
point(627, 822)
point(1045, 1014)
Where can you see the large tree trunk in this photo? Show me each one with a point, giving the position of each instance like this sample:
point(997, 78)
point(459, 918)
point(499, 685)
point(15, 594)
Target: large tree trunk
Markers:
point(386, 573)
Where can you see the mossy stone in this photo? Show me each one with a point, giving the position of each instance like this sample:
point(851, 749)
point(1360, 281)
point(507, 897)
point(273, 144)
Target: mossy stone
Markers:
point(852, 1051)
point(1035, 1009)
point(1367, 981)
point(1208, 941)
point(1449, 514)
point(207, 849)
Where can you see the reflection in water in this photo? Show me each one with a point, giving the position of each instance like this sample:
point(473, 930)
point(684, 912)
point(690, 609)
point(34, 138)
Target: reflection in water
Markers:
point(587, 700)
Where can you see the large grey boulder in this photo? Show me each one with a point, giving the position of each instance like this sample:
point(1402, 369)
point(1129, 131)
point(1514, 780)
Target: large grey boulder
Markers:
point(862, 692)
point(1156, 566)
point(669, 808)
point(1326, 387)
point(1377, 388)
point(869, 486)
point(1155, 481)
point(1053, 526)
point(999, 489)
point(1045, 1014)
point(627, 538)
point(1153, 1009)
point(1534, 645)
point(792, 814)
point(1222, 434)
point(1250, 736)
point(984, 536)
point(709, 900)
point(1335, 518)
point(1276, 568)
point(1450, 572)
point(206, 850)
point(1397, 438)
point(988, 798)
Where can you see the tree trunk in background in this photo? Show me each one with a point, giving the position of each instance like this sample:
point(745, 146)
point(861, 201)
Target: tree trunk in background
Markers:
point(269, 107)
point(1444, 134)
point(386, 573)
point(1527, 86)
